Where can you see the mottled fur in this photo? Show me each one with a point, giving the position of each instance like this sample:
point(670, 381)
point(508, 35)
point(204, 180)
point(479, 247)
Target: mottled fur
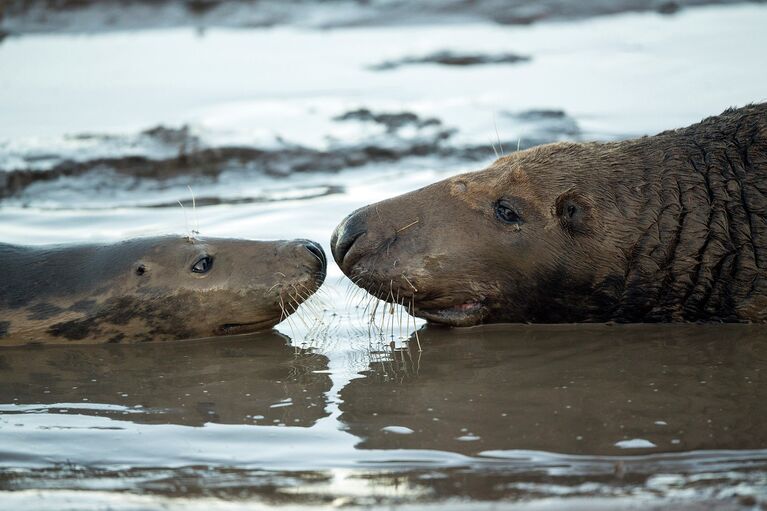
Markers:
point(145, 290)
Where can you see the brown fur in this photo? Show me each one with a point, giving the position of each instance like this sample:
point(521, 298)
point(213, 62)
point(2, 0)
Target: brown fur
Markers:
point(671, 227)
point(145, 290)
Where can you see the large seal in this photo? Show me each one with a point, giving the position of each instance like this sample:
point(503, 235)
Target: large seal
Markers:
point(152, 288)
point(671, 227)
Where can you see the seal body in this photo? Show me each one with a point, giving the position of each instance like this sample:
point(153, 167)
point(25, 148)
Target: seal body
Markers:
point(150, 289)
point(666, 228)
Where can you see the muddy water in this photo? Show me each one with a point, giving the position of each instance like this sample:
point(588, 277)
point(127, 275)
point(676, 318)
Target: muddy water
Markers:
point(658, 414)
point(280, 132)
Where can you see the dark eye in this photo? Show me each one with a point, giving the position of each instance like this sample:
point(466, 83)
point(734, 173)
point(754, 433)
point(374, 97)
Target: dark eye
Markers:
point(506, 213)
point(203, 265)
point(140, 269)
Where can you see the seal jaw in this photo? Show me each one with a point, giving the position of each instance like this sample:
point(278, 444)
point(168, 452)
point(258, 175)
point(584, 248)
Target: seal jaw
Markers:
point(465, 314)
point(244, 328)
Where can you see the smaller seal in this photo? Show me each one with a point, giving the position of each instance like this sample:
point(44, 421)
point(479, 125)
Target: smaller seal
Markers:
point(153, 289)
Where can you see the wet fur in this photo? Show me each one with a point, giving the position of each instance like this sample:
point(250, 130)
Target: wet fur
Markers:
point(93, 293)
point(666, 228)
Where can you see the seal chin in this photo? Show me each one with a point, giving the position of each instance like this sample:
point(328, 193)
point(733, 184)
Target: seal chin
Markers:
point(466, 314)
point(244, 328)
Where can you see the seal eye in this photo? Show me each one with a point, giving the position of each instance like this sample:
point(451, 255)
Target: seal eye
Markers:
point(140, 270)
point(203, 265)
point(506, 213)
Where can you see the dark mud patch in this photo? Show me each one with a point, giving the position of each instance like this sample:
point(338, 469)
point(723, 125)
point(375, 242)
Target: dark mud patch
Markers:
point(208, 164)
point(546, 123)
point(448, 58)
point(217, 201)
point(392, 121)
point(175, 157)
point(88, 16)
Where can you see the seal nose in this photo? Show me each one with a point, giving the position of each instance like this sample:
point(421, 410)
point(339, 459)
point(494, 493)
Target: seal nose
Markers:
point(316, 250)
point(347, 232)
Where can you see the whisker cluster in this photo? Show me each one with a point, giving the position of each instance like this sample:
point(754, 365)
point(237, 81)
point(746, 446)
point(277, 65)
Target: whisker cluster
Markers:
point(304, 311)
point(386, 321)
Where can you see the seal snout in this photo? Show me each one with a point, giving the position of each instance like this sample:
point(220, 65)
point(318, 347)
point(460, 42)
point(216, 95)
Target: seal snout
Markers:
point(313, 260)
point(345, 235)
point(315, 249)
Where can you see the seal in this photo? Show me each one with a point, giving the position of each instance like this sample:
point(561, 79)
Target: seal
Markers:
point(152, 289)
point(666, 228)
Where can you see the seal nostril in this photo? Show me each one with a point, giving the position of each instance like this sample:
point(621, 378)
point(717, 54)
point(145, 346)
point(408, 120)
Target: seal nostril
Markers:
point(346, 234)
point(343, 245)
point(316, 251)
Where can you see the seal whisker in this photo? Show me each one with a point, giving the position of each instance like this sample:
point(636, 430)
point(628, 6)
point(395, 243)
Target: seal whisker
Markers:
point(374, 313)
point(294, 305)
point(363, 296)
point(374, 310)
point(497, 136)
point(282, 307)
point(289, 319)
point(352, 287)
point(352, 290)
point(196, 230)
point(415, 289)
point(411, 224)
point(186, 221)
point(297, 294)
point(372, 300)
point(309, 304)
point(358, 297)
point(415, 328)
point(312, 296)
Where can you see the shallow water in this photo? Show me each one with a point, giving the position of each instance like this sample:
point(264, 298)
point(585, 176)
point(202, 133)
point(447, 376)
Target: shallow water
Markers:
point(663, 414)
point(591, 417)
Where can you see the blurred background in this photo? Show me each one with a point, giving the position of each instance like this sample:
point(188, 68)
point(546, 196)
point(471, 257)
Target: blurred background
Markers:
point(284, 116)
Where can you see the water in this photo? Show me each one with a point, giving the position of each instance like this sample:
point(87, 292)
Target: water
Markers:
point(668, 414)
point(589, 417)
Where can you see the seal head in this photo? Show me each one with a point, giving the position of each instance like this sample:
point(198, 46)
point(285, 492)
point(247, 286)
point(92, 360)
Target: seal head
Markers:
point(154, 288)
point(671, 227)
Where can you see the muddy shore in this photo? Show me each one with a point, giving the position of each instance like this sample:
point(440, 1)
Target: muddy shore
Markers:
point(183, 154)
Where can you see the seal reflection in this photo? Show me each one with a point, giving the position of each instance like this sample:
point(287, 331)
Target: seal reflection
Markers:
point(253, 379)
point(591, 390)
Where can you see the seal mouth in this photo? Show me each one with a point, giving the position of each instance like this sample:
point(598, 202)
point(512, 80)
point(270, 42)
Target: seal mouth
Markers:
point(469, 313)
point(244, 328)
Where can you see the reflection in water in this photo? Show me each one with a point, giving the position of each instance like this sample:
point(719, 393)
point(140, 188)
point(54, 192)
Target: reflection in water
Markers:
point(538, 407)
point(597, 390)
point(254, 379)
